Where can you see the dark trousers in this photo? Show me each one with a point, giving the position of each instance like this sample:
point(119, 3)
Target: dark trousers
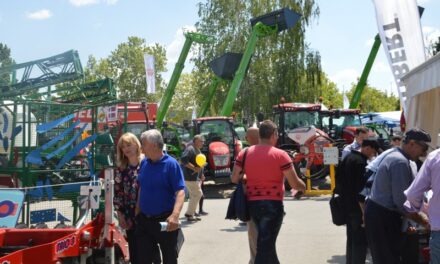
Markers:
point(148, 235)
point(383, 229)
point(356, 250)
point(268, 216)
point(132, 246)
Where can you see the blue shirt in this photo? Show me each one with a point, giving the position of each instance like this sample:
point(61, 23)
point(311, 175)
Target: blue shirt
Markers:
point(159, 181)
point(353, 146)
point(394, 175)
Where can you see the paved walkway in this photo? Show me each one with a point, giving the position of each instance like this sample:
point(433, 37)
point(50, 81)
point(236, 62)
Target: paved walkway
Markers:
point(307, 235)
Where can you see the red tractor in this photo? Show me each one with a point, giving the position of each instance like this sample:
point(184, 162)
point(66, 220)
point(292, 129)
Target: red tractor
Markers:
point(222, 145)
point(341, 124)
point(300, 135)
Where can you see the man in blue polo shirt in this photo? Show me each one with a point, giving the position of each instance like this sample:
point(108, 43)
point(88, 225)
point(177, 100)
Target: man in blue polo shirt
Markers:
point(161, 197)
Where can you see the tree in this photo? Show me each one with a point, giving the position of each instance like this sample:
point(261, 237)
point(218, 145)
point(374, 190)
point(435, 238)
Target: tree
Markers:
point(5, 60)
point(434, 48)
point(184, 100)
point(331, 97)
point(125, 65)
point(282, 64)
point(374, 100)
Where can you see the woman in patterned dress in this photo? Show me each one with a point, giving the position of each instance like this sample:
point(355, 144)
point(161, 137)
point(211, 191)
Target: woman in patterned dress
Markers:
point(128, 159)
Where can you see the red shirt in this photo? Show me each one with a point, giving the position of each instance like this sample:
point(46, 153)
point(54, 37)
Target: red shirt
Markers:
point(264, 166)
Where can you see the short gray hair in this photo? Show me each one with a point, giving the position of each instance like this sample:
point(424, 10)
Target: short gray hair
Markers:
point(199, 136)
point(153, 136)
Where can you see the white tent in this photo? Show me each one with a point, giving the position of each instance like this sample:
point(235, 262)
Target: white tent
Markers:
point(423, 92)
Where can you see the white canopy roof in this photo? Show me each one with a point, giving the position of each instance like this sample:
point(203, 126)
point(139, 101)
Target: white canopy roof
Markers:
point(424, 77)
point(422, 84)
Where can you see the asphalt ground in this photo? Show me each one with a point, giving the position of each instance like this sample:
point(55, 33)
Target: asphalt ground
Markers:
point(307, 234)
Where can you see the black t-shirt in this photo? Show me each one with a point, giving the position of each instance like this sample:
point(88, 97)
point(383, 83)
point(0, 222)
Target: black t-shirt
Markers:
point(189, 156)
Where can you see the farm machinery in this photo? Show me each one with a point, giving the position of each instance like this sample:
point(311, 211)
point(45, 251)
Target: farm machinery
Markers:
point(98, 241)
point(300, 135)
point(222, 133)
point(49, 152)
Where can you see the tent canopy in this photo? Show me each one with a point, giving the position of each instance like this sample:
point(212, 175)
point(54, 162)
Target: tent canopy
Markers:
point(423, 91)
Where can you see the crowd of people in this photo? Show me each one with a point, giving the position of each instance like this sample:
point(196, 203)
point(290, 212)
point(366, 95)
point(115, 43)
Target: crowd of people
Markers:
point(383, 196)
point(382, 193)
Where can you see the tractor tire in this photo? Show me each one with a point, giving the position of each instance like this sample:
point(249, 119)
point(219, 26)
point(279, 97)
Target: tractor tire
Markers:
point(319, 172)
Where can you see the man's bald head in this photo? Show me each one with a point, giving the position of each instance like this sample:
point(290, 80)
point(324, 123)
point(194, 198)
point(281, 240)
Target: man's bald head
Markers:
point(252, 136)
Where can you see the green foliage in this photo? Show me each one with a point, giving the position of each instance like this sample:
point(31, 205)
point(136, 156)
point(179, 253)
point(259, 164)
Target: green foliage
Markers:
point(282, 64)
point(5, 60)
point(331, 97)
point(374, 100)
point(125, 66)
point(184, 100)
point(434, 48)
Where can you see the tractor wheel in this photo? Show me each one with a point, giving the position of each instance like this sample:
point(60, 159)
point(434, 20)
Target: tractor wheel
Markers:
point(319, 172)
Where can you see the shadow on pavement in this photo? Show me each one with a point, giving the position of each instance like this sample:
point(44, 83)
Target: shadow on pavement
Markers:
point(337, 259)
point(236, 228)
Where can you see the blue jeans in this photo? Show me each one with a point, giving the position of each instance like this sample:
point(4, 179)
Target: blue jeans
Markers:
point(434, 247)
point(268, 216)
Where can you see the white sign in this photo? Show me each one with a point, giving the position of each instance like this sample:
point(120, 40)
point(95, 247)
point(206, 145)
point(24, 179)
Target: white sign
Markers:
point(150, 73)
point(400, 31)
point(331, 155)
point(93, 192)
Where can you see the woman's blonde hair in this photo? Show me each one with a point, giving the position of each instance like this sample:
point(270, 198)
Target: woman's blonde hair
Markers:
point(127, 138)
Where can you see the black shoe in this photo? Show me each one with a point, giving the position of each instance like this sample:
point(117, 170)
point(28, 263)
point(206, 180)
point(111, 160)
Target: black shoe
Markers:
point(242, 223)
point(192, 219)
point(203, 213)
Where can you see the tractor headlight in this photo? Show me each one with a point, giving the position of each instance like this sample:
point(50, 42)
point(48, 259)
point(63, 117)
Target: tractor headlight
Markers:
point(221, 160)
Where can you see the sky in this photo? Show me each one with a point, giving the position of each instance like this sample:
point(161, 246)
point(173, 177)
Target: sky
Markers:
point(343, 33)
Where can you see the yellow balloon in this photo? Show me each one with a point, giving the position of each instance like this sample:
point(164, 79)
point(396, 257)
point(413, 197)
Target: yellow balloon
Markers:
point(201, 159)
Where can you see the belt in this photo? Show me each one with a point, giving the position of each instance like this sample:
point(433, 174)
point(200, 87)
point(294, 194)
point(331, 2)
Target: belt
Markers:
point(158, 217)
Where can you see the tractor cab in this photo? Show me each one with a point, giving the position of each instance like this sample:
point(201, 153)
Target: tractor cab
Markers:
point(291, 116)
point(340, 124)
point(221, 145)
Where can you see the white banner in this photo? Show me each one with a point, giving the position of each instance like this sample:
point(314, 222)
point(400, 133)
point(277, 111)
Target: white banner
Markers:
point(150, 73)
point(401, 35)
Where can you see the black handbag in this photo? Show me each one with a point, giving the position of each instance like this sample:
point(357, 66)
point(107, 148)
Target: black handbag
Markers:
point(337, 210)
point(238, 205)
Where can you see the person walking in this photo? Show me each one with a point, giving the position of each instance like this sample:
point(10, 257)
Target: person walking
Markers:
point(350, 181)
point(384, 207)
point(193, 173)
point(265, 169)
point(428, 179)
point(128, 158)
point(161, 198)
point(253, 139)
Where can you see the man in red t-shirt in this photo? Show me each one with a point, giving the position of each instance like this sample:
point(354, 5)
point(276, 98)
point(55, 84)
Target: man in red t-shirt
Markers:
point(265, 167)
